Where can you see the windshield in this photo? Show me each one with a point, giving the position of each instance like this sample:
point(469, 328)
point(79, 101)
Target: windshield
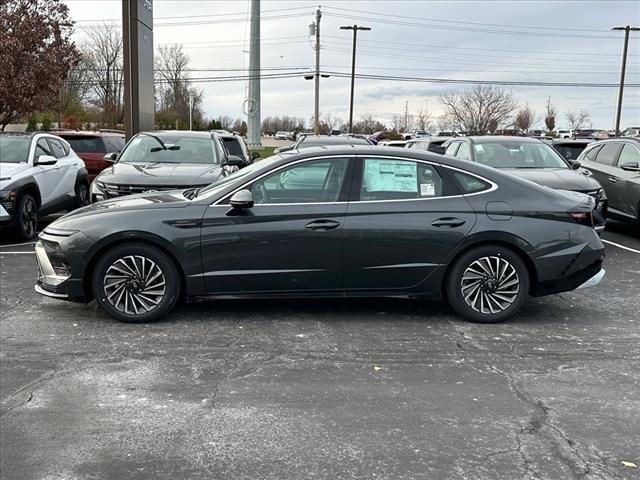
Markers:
point(518, 155)
point(179, 149)
point(237, 175)
point(14, 149)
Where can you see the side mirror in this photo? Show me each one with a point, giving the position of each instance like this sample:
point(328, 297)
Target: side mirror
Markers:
point(631, 167)
point(242, 200)
point(46, 160)
point(255, 155)
point(575, 164)
point(233, 161)
point(110, 157)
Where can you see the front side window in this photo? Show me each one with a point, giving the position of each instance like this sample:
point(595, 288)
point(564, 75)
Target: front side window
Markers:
point(608, 154)
point(451, 149)
point(390, 179)
point(42, 148)
point(463, 152)
point(629, 155)
point(318, 181)
point(56, 148)
point(177, 149)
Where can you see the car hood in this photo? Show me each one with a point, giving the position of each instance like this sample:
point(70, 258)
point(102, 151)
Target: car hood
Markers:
point(161, 174)
point(8, 170)
point(556, 178)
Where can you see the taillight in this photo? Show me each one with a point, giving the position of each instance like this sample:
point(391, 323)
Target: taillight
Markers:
point(583, 218)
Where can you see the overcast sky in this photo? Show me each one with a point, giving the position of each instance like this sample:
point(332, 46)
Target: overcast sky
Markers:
point(542, 41)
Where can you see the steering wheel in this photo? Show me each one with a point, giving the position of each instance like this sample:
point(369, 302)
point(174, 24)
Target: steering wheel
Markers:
point(260, 195)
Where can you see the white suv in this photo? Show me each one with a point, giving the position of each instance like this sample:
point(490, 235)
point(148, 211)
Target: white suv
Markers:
point(39, 174)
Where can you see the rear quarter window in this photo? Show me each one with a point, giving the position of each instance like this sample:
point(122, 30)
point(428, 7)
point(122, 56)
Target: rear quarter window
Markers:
point(87, 144)
point(469, 183)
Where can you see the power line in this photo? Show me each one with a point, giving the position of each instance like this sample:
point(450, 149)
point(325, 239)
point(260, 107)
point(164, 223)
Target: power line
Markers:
point(537, 27)
point(387, 20)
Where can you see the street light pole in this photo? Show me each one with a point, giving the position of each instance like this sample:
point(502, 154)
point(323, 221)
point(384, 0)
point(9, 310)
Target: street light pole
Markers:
point(190, 111)
point(626, 30)
point(316, 109)
point(355, 29)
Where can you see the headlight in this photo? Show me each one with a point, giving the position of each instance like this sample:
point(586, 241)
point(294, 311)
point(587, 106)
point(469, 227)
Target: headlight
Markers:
point(97, 191)
point(8, 200)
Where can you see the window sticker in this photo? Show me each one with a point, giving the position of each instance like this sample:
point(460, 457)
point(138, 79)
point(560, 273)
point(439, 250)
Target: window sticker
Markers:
point(391, 176)
point(427, 189)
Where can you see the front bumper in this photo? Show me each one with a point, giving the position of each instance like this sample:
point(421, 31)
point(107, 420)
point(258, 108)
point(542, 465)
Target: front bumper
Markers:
point(5, 217)
point(55, 278)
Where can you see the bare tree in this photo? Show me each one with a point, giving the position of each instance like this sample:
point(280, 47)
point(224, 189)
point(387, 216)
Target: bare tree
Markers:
point(367, 123)
point(176, 96)
point(423, 120)
point(102, 54)
point(576, 121)
point(331, 121)
point(397, 122)
point(444, 123)
point(525, 118)
point(550, 116)
point(226, 122)
point(476, 109)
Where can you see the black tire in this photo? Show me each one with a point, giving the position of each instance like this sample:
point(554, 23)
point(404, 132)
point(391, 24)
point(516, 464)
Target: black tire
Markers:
point(493, 299)
point(26, 217)
point(117, 262)
point(82, 195)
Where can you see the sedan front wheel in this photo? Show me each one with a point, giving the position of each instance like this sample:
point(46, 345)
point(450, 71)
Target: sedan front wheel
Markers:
point(136, 283)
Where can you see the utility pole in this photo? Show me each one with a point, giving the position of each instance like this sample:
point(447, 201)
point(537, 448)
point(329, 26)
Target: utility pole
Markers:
point(355, 29)
point(626, 30)
point(190, 111)
point(253, 100)
point(316, 109)
point(406, 115)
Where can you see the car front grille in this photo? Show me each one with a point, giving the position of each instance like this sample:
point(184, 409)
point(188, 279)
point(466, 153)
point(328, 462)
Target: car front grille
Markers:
point(116, 190)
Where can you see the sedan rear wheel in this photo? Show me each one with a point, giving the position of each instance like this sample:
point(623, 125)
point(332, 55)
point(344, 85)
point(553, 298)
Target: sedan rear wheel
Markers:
point(488, 284)
point(136, 283)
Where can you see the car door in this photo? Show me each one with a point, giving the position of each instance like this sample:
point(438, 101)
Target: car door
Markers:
point(45, 175)
point(604, 169)
point(627, 181)
point(405, 219)
point(290, 240)
point(66, 169)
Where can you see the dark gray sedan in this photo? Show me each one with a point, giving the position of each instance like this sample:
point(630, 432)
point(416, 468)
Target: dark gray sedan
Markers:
point(615, 163)
point(329, 222)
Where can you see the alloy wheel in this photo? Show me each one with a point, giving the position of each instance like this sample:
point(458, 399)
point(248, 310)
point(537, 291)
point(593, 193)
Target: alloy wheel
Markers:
point(83, 195)
point(29, 217)
point(134, 285)
point(490, 285)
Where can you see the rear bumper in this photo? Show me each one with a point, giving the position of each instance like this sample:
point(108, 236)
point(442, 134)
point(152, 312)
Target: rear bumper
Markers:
point(583, 278)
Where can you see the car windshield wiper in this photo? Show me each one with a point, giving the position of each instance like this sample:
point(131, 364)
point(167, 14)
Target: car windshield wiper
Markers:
point(165, 146)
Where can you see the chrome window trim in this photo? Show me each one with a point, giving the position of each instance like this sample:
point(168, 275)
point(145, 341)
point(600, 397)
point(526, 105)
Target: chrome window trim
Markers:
point(493, 187)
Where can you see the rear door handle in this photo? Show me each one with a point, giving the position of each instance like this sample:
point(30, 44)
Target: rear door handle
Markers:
point(450, 222)
point(322, 225)
point(613, 179)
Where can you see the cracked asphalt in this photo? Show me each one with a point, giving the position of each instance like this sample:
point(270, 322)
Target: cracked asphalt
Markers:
point(340, 389)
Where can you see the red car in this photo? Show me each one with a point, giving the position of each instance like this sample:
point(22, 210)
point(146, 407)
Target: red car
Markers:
point(93, 146)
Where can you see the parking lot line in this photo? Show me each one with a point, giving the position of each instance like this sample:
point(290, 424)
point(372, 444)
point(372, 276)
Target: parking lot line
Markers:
point(621, 246)
point(17, 253)
point(17, 244)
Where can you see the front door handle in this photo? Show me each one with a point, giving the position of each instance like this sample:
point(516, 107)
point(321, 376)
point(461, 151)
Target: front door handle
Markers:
point(450, 222)
point(322, 225)
point(613, 179)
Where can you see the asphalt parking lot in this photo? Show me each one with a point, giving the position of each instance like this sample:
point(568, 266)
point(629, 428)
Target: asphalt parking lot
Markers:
point(387, 389)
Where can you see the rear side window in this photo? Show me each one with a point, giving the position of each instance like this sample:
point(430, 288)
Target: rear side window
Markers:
point(469, 183)
point(608, 154)
point(87, 144)
point(590, 154)
point(391, 179)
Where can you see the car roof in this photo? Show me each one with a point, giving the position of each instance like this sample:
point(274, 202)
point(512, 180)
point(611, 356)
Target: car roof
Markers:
point(569, 141)
point(616, 139)
point(87, 133)
point(501, 138)
point(430, 138)
point(336, 140)
point(182, 133)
